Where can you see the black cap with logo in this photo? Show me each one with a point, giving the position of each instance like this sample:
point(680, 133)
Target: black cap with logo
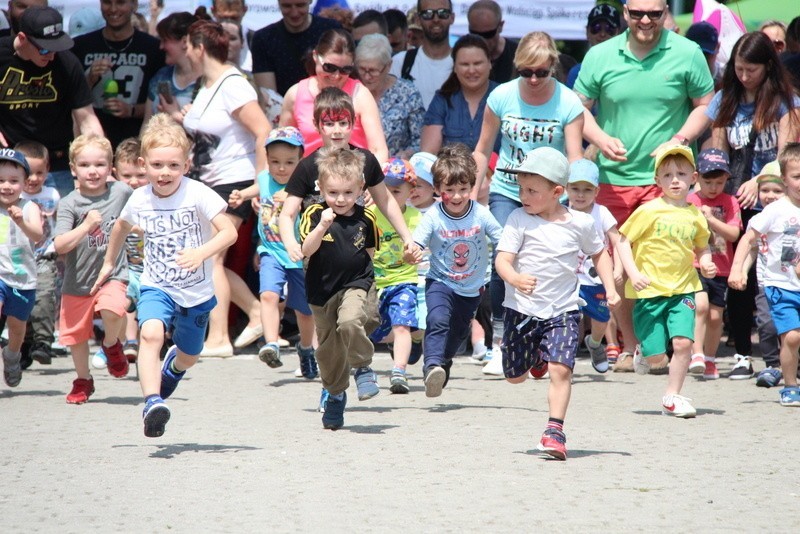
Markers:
point(45, 29)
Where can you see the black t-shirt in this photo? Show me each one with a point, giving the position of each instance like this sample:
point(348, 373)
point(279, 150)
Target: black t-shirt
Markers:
point(277, 50)
point(503, 69)
point(303, 182)
point(792, 63)
point(36, 103)
point(342, 260)
point(134, 62)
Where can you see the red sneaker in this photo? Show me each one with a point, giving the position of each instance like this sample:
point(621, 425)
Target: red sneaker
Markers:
point(82, 389)
point(117, 361)
point(554, 443)
point(540, 371)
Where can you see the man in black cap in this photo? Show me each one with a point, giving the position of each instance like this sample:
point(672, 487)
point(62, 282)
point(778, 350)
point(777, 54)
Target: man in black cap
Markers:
point(603, 24)
point(43, 90)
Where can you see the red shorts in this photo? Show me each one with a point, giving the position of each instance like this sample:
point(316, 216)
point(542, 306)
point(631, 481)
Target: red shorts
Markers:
point(622, 200)
point(77, 312)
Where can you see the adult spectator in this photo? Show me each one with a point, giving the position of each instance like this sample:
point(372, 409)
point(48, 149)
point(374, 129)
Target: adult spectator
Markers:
point(485, 18)
point(124, 57)
point(791, 57)
point(456, 111)
point(707, 38)
point(429, 65)
point(236, 54)
point(776, 31)
point(604, 23)
point(280, 48)
point(15, 10)
point(367, 22)
point(229, 130)
point(235, 10)
point(37, 65)
point(399, 103)
point(638, 111)
point(397, 25)
point(84, 21)
point(414, 35)
point(332, 63)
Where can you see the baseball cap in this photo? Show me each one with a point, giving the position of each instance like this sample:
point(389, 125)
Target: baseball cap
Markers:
point(14, 156)
point(422, 162)
point(285, 134)
point(584, 170)
point(547, 162)
point(705, 35)
point(45, 29)
point(413, 19)
point(771, 172)
point(712, 159)
point(85, 20)
point(680, 150)
point(397, 171)
point(605, 12)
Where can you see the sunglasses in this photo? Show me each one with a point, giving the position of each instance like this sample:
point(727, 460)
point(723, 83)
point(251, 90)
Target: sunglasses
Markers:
point(538, 73)
point(637, 14)
point(598, 27)
point(485, 35)
point(43, 51)
point(330, 68)
point(441, 14)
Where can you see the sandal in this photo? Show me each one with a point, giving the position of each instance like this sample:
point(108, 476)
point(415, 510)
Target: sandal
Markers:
point(612, 353)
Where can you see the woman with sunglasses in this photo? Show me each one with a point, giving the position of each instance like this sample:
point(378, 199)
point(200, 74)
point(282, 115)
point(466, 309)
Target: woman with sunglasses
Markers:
point(532, 111)
point(332, 65)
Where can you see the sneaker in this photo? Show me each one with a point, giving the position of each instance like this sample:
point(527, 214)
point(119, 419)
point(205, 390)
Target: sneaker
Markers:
point(640, 364)
point(82, 389)
point(131, 350)
point(12, 370)
point(554, 444)
point(117, 361)
point(612, 353)
point(434, 381)
point(790, 396)
point(41, 353)
point(308, 363)
point(323, 400)
point(416, 352)
point(155, 416)
point(598, 354)
point(298, 373)
point(333, 417)
point(743, 369)
point(99, 359)
point(769, 377)
point(710, 372)
point(677, 406)
point(169, 378)
point(366, 383)
point(624, 363)
point(399, 382)
point(540, 371)
point(494, 365)
point(270, 354)
point(697, 365)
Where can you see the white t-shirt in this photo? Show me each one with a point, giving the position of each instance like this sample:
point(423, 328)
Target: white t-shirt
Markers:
point(429, 74)
point(224, 150)
point(47, 200)
point(603, 222)
point(779, 225)
point(172, 224)
point(549, 251)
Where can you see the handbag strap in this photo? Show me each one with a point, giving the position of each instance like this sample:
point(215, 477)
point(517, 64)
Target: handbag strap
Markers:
point(194, 95)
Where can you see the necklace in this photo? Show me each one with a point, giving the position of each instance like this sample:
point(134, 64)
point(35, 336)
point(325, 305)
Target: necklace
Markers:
point(118, 50)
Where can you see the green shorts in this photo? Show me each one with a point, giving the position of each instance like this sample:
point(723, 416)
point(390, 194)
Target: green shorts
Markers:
point(657, 320)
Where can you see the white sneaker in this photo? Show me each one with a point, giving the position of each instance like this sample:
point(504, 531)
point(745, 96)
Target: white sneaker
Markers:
point(677, 406)
point(494, 367)
point(640, 363)
point(698, 364)
point(298, 373)
point(99, 360)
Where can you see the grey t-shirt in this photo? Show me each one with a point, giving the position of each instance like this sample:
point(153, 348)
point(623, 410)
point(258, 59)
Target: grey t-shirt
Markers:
point(83, 263)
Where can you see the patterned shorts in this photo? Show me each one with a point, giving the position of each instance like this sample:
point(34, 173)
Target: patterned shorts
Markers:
point(528, 340)
point(398, 307)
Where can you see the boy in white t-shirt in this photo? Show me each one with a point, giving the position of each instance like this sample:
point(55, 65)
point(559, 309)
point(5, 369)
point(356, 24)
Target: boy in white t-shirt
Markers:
point(177, 216)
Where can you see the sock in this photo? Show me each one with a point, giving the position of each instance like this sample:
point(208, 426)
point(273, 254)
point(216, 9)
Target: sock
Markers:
point(338, 397)
point(132, 342)
point(398, 370)
point(711, 359)
point(593, 343)
point(10, 355)
point(302, 348)
point(478, 347)
point(175, 369)
point(555, 424)
point(362, 370)
point(151, 398)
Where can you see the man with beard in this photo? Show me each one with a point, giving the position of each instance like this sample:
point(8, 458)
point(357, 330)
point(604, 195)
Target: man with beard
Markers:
point(429, 65)
point(651, 87)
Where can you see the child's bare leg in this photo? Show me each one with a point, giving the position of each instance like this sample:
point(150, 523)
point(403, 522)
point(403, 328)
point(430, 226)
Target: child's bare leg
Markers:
point(701, 323)
point(113, 325)
point(598, 330)
point(560, 390)
point(402, 345)
point(713, 330)
point(790, 343)
point(131, 327)
point(150, 341)
point(679, 366)
point(305, 324)
point(611, 331)
point(80, 359)
point(16, 333)
point(271, 316)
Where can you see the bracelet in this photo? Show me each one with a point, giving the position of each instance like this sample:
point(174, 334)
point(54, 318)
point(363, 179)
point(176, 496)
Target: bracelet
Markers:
point(681, 138)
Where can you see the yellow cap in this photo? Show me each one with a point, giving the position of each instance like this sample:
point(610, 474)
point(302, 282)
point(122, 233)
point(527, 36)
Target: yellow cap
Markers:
point(770, 173)
point(680, 150)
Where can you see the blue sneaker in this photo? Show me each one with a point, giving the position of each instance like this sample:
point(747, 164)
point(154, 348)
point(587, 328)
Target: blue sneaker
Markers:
point(416, 352)
point(155, 415)
point(270, 354)
point(308, 363)
point(323, 400)
point(769, 377)
point(790, 396)
point(169, 378)
point(367, 383)
point(333, 418)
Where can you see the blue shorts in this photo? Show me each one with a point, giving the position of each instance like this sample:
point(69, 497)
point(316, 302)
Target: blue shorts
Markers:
point(528, 340)
point(133, 285)
point(596, 303)
point(273, 276)
point(188, 325)
point(716, 288)
point(17, 303)
point(784, 306)
point(397, 307)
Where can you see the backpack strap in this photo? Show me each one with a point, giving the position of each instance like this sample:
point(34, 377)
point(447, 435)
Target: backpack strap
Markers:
point(408, 62)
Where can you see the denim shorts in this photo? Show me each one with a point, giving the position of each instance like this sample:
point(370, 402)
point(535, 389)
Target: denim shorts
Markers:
point(397, 307)
point(17, 303)
point(527, 341)
point(596, 304)
point(188, 325)
point(273, 277)
point(784, 306)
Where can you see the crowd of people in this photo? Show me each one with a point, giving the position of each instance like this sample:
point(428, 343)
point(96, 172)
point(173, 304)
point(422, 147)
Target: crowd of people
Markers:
point(392, 188)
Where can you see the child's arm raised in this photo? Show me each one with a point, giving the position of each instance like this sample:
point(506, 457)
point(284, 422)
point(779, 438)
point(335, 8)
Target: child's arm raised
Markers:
point(67, 241)
point(115, 241)
point(314, 238)
point(638, 280)
point(738, 277)
point(193, 258)
point(504, 263)
point(31, 225)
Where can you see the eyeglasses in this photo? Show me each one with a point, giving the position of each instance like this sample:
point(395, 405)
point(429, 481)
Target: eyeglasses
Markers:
point(330, 68)
point(538, 73)
point(371, 73)
point(637, 14)
point(598, 27)
point(486, 35)
point(43, 51)
point(441, 14)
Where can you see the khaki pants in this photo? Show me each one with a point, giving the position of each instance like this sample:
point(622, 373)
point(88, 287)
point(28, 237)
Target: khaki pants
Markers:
point(343, 340)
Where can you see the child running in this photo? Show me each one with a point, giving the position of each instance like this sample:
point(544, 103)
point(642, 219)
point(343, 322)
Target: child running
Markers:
point(666, 233)
point(177, 216)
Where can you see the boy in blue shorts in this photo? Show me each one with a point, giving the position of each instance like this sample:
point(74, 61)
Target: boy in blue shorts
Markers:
point(537, 258)
point(666, 234)
point(177, 216)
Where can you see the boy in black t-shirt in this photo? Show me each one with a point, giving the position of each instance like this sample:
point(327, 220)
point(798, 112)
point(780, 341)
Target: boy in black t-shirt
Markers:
point(340, 238)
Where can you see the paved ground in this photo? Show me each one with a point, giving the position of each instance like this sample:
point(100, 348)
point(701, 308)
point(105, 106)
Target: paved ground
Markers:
point(245, 451)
